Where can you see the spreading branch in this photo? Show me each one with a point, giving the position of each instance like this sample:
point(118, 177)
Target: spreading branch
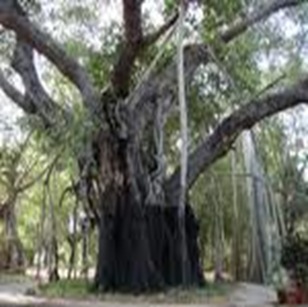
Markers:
point(48, 169)
point(14, 18)
point(218, 143)
point(163, 85)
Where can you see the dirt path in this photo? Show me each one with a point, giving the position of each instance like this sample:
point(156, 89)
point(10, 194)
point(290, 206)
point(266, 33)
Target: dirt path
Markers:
point(13, 294)
point(252, 295)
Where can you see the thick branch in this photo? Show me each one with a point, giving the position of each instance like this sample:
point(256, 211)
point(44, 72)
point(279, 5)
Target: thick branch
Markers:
point(129, 47)
point(23, 63)
point(219, 142)
point(13, 18)
point(132, 21)
point(134, 44)
point(242, 24)
point(16, 96)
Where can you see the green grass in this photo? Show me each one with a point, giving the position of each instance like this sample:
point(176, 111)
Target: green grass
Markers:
point(6, 278)
point(66, 288)
point(81, 289)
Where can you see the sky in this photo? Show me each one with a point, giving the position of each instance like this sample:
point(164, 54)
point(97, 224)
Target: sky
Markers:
point(9, 115)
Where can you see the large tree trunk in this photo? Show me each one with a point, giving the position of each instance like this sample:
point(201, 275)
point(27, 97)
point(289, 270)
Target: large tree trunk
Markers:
point(139, 247)
point(139, 240)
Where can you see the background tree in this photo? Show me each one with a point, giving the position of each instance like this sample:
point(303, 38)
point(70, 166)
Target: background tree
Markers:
point(16, 178)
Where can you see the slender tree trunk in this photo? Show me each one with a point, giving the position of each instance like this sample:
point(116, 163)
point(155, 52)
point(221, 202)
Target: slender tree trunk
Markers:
point(218, 243)
point(53, 268)
point(184, 145)
point(236, 261)
point(41, 237)
point(16, 257)
point(72, 241)
point(85, 227)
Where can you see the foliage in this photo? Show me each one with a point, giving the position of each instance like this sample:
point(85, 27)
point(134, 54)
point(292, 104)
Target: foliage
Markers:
point(295, 258)
point(279, 278)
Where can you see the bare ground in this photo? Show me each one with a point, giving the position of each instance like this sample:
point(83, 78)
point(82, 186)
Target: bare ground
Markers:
point(13, 294)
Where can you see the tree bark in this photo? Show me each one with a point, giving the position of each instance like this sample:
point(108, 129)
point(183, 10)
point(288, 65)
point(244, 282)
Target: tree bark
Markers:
point(138, 239)
point(139, 247)
point(15, 251)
